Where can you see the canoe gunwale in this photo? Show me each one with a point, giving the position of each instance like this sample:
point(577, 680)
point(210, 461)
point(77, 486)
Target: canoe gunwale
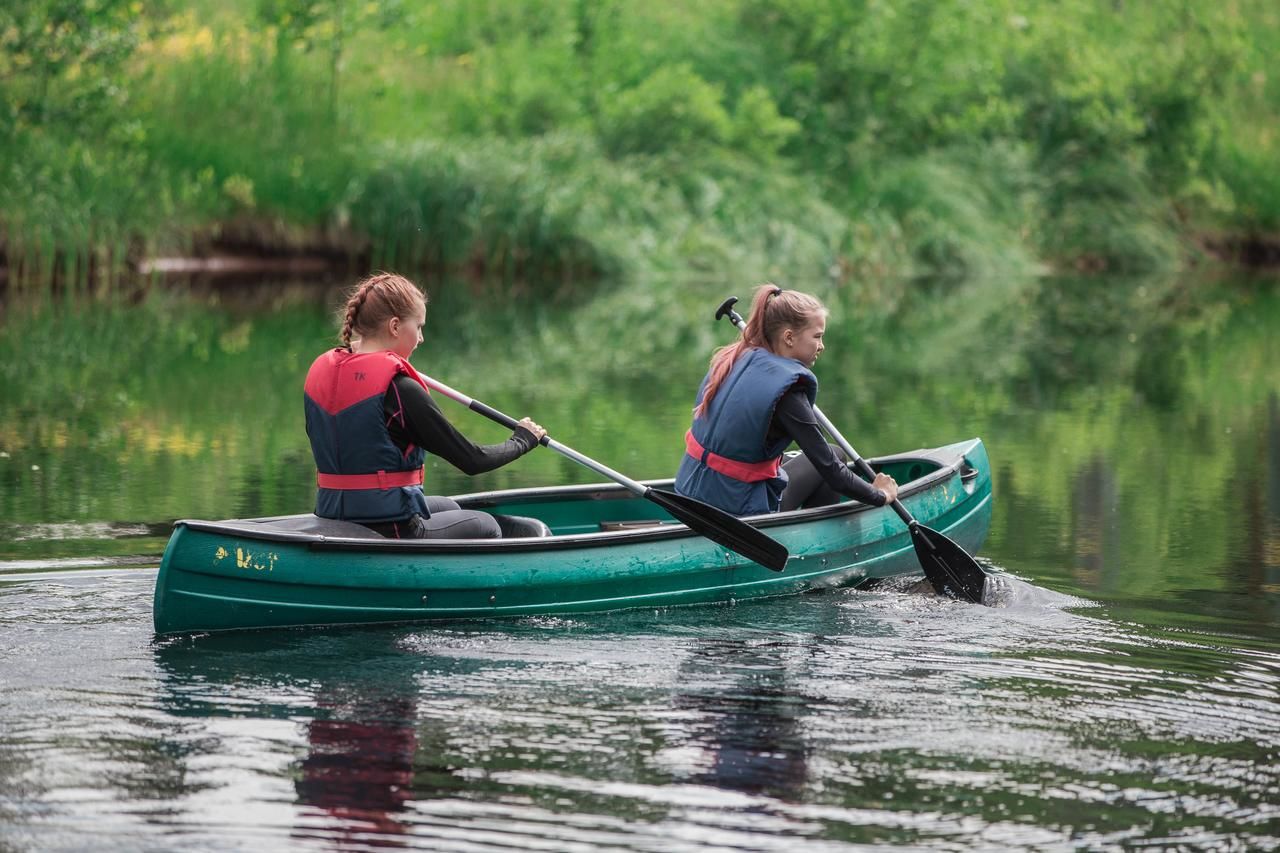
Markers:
point(949, 459)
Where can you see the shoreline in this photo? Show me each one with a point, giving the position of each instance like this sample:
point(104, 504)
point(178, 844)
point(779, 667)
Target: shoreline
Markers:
point(245, 256)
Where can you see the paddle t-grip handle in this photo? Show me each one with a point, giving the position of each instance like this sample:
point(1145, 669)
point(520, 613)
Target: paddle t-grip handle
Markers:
point(726, 307)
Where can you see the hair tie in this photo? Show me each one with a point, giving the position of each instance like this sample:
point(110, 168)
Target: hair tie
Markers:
point(777, 291)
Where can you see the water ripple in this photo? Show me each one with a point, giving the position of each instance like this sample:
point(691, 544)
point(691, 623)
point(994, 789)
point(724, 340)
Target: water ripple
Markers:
point(837, 721)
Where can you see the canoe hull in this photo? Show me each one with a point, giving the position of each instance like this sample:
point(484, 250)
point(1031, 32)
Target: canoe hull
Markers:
point(242, 575)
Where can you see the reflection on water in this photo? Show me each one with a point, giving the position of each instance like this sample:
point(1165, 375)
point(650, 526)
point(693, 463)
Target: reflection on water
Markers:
point(841, 717)
point(355, 704)
point(743, 727)
point(1123, 692)
point(358, 772)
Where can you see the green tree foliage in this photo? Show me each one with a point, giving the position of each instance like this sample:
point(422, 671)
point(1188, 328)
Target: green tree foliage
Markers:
point(672, 110)
point(62, 62)
point(68, 140)
point(938, 136)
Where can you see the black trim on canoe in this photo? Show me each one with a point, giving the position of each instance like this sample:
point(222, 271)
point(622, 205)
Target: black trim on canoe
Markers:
point(261, 529)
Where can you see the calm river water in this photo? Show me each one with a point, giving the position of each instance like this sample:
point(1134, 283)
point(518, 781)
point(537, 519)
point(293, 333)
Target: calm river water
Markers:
point(1126, 694)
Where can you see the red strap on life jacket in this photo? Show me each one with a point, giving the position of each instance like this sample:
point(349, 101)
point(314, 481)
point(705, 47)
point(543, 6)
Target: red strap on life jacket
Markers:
point(380, 480)
point(747, 472)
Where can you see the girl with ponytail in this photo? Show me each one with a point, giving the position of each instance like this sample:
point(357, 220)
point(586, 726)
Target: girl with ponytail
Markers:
point(371, 423)
point(756, 399)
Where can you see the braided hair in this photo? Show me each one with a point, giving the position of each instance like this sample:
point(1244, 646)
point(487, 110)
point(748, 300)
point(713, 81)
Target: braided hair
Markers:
point(375, 300)
point(772, 310)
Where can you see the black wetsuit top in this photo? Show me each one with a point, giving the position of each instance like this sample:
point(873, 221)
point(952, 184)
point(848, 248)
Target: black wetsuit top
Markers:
point(426, 426)
point(793, 417)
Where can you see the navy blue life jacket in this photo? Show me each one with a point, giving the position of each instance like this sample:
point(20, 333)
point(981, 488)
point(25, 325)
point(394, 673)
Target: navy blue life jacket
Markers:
point(361, 474)
point(729, 462)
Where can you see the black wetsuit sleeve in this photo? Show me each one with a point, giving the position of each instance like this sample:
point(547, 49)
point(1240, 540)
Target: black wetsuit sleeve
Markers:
point(424, 425)
point(794, 417)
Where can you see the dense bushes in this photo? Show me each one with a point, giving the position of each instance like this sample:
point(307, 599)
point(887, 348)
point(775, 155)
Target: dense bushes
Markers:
point(788, 137)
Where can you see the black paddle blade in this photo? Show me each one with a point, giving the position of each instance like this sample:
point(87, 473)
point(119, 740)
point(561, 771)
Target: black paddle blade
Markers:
point(719, 526)
point(948, 566)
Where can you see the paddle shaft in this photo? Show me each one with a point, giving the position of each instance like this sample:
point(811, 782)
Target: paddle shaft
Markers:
point(859, 464)
point(546, 441)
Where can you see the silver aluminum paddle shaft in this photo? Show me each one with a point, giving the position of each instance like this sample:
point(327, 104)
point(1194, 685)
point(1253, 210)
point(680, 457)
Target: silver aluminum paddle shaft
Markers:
point(547, 441)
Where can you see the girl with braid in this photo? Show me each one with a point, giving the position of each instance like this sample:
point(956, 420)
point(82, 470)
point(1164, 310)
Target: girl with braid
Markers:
point(756, 399)
point(371, 423)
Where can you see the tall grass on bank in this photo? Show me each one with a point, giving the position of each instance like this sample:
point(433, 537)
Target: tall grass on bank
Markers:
point(492, 208)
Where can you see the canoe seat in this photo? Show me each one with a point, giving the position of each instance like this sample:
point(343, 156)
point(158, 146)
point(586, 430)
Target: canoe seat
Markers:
point(324, 526)
point(519, 526)
point(513, 526)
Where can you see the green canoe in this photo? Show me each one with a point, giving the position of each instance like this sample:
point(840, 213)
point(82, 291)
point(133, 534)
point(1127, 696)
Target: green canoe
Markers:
point(575, 549)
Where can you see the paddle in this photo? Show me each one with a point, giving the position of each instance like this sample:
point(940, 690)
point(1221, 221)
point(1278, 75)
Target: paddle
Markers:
point(713, 523)
point(947, 566)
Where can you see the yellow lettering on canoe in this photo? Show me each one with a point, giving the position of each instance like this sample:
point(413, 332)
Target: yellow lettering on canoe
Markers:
point(220, 554)
point(259, 563)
